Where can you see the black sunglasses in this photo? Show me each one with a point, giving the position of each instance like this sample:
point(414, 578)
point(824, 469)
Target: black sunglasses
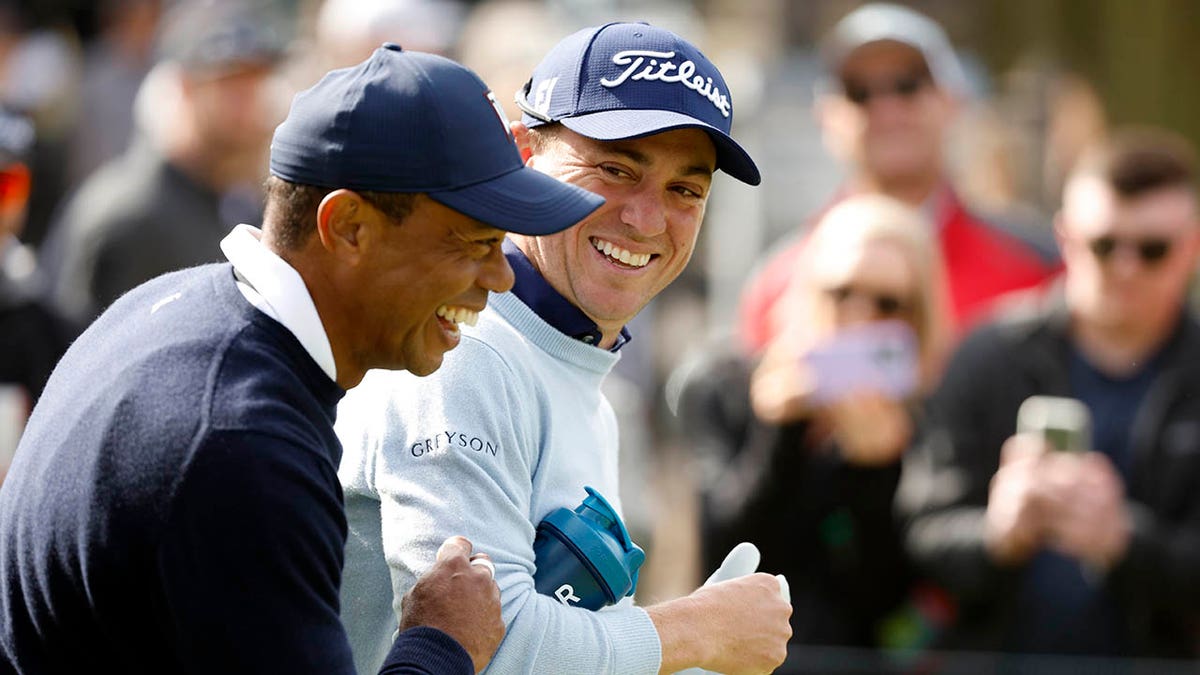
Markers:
point(1150, 250)
point(904, 86)
point(886, 304)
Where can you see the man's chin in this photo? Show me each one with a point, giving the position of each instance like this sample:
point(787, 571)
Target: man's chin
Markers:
point(426, 367)
point(1114, 317)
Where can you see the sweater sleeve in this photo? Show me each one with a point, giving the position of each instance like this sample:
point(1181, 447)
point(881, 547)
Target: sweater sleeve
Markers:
point(456, 453)
point(250, 562)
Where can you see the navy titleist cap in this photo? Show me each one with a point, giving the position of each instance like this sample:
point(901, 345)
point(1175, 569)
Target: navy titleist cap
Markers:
point(406, 121)
point(626, 80)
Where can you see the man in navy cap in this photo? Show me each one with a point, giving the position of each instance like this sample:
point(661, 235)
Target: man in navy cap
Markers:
point(173, 506)
point(515, 426)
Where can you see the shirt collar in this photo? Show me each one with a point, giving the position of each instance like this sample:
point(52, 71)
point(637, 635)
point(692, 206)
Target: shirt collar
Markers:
point(537, 293)
point(276, 289)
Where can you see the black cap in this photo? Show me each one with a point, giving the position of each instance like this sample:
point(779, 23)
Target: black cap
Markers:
point(218, 34)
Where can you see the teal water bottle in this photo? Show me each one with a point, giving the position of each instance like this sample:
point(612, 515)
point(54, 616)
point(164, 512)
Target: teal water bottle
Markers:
point(585, 557)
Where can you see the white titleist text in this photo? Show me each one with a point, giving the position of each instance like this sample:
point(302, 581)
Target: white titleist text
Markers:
point(659, 68)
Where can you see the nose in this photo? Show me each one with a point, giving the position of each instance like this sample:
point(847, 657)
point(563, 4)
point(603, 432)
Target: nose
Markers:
point(856, 310)
point(1124, 262)
point(496, 275)
point(645, 211)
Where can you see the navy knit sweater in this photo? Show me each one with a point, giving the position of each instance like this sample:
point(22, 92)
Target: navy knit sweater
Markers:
point(174, 505)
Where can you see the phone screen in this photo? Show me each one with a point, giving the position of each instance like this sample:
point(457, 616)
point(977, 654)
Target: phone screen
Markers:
point(1065, 423)
point(879, 356)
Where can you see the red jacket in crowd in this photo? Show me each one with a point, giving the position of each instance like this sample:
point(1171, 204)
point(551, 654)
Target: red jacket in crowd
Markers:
point(981, 262)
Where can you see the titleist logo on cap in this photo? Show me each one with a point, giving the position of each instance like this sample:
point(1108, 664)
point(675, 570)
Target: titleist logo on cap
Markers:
point(684, 74)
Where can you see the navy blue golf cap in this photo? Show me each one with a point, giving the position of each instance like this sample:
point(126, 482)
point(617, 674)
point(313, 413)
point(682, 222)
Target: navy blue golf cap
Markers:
point(405, 121)
point(627, 80)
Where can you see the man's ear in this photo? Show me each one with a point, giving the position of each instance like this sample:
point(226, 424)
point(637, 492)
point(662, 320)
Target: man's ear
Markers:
point(340, 222)
point(520, 134)
point(1060, 232)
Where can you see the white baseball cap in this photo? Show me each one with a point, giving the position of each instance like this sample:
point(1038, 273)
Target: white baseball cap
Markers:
point(883, 21)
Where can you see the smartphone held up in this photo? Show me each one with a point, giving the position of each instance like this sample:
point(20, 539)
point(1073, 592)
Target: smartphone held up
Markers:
point(880, 356)
point(1064, 423)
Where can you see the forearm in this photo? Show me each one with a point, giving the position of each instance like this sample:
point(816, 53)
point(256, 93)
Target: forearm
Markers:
point(683, 644)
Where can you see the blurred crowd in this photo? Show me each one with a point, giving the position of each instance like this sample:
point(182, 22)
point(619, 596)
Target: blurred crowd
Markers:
point(838, 376)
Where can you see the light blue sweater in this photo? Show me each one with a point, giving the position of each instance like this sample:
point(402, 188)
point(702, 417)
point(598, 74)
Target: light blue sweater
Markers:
point(510, 428)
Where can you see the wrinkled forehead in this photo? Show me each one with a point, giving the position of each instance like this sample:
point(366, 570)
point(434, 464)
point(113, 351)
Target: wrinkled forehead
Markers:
point(882, 57)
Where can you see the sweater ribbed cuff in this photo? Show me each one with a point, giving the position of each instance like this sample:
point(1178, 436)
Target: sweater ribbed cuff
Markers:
point(638, 649)
point(425, 649)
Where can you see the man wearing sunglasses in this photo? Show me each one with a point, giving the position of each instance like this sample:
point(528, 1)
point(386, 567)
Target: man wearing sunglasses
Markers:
point(886, 103)
point(1097, 551)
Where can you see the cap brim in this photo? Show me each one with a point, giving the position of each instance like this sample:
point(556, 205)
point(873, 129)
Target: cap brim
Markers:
point(524, 201)
point(617, 125)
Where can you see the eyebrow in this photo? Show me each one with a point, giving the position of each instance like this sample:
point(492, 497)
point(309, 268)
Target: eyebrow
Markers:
point(478, 228)
point(639, 157)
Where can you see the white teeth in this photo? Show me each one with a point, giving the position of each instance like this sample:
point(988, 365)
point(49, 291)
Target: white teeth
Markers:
point(457, 315)
point(617, 253)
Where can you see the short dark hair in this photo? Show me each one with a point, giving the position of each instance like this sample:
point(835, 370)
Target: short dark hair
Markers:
point(291, 209)
point(1139, 160)
point(541, 136)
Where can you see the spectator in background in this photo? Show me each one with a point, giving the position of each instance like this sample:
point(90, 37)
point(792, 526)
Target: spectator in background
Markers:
point(1096, 552)
point(503, 40)
point(893, 88)
point(114, 64)
point(39, 78)
point(346, 31)
point(807, 478)
point(206, 112)
point(32, 337)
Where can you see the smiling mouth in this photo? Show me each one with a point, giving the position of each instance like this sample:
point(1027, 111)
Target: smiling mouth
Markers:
point(454, 316)
point(619, 255)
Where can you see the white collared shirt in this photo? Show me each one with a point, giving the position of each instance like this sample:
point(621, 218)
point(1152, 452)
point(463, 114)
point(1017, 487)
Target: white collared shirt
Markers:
point(277, 290)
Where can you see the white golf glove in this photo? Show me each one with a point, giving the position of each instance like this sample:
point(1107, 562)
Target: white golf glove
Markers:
point(742, 560)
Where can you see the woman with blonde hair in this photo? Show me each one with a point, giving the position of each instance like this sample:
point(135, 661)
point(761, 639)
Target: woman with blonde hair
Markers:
point(870, 259)
point(802, 444)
